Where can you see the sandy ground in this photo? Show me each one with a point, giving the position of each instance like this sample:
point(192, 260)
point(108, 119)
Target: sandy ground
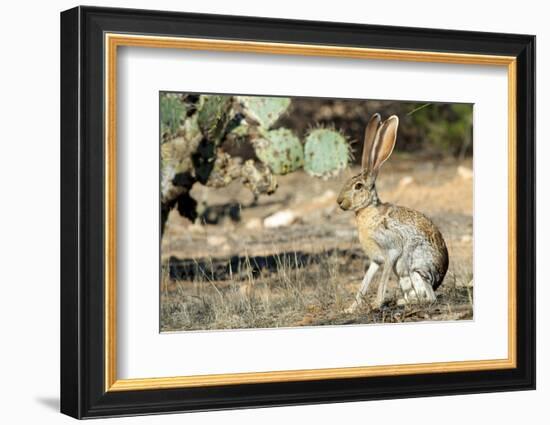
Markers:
point(236, 271)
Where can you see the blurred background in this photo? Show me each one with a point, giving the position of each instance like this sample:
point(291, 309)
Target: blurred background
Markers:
point(435, 130)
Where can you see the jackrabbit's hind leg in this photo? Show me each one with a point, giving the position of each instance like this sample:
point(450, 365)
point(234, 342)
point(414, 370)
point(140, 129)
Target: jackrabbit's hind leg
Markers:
point(409, 294)
point(386, 273)
point(423, 287)
point(373, 268)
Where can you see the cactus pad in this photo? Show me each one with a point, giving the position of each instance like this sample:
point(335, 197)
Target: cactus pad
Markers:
point(213, 116)
point(326, 153)
point(280, 150)
point(264, 110)
point(172, 112)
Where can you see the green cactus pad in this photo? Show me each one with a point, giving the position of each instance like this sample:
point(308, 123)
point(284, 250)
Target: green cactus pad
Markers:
point(326, 153)
point(280, 150)
point(172, 111)
point(264, 110)
point(213, 116)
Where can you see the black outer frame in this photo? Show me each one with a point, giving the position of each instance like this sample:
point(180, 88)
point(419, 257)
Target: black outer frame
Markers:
point(82, 212)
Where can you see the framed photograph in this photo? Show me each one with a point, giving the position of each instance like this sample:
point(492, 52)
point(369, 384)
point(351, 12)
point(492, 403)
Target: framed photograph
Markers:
point(261, 212)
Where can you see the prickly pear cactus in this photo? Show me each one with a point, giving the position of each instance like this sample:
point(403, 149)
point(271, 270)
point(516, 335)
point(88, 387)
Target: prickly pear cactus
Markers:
point(264, 111)
point(326, 153)
point(194, 129)
point(280, 150)
point(172, 110)
point(213, 116)
point(258, 178)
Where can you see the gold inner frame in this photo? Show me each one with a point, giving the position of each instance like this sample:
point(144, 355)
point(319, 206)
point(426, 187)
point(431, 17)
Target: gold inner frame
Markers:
point(113, 41)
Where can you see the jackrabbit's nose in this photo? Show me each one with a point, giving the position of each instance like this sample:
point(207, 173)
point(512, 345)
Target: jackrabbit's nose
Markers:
point(343, 202)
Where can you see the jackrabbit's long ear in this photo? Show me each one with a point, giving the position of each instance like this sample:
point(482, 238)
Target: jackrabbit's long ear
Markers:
point(370, 134)
point(384, 143)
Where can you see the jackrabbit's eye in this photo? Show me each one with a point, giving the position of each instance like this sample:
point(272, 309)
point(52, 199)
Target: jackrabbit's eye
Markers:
point(358, 186)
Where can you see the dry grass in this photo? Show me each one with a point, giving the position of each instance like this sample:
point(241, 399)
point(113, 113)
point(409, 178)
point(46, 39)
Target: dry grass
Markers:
point(297, 293)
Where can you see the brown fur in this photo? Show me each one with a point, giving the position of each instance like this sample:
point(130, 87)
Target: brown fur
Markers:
point(429, 230)
point(367, 220)
point(375, 219)
point(393, 236)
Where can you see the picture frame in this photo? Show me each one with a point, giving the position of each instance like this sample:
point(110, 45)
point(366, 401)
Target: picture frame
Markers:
point(90, 40)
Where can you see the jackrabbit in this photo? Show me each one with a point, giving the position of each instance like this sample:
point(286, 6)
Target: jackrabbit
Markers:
point(399, 239)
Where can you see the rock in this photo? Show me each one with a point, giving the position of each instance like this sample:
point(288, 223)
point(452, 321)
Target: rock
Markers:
point(280, 218)
point(323, 203)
